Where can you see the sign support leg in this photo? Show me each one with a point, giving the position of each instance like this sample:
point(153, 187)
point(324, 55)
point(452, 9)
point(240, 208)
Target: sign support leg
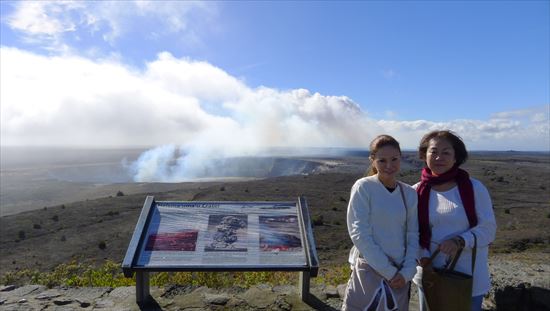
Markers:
point(142, 287)
point(304, 285)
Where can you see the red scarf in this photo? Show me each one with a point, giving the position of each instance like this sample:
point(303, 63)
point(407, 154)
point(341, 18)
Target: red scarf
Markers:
point(465, 188)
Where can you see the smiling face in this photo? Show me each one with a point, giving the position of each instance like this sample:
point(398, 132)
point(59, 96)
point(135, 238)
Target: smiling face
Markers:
point(440, 156)
point(387, 162)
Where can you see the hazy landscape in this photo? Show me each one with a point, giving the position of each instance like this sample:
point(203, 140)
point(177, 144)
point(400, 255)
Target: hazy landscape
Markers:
point(63, 209)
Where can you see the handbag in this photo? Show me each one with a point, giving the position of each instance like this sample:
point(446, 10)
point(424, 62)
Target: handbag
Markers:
point(447, 289)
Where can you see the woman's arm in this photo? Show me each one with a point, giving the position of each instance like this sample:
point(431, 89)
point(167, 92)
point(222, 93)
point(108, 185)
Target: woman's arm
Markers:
point(360, 231)
point(486, 227)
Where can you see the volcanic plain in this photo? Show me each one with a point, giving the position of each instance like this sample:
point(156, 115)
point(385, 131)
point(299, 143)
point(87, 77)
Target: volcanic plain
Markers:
point(47, 221)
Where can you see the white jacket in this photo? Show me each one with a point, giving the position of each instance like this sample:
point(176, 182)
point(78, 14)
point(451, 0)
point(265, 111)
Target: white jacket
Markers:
point(382, 229)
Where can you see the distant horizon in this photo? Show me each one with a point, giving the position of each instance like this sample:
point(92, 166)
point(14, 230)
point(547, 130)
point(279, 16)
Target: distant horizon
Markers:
point(69, 147)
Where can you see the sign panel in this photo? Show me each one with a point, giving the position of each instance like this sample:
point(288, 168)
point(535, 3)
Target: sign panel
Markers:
point(217, 233)
point(221, 236)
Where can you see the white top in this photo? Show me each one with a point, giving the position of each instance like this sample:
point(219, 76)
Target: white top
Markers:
point(381, 227)
point(448, 219)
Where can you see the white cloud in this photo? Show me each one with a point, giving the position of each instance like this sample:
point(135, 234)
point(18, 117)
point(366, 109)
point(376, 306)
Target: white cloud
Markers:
point(35, 18)
point(47, 100)
point(526, 129)
point(48, 24)
point(77, 101)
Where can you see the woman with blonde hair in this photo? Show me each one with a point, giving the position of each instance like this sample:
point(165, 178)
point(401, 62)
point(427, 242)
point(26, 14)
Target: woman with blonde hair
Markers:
point(383, 226)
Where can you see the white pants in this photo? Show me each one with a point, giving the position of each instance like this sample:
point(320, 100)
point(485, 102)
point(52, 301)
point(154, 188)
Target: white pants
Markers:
point(367, 290)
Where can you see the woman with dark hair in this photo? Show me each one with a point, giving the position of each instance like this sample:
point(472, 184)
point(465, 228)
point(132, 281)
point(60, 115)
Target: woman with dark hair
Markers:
point(454, 210)
point(383, 226)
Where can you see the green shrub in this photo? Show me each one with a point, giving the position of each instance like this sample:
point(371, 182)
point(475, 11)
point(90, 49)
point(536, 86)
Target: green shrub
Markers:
point(317, 220)
point(110, 275)
point(333, 275)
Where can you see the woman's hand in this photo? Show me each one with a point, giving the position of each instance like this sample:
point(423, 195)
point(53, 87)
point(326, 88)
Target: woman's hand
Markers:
point(398, 281)
point(449, 247)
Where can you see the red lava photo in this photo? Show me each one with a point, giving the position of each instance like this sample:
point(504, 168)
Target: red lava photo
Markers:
point(173, 241)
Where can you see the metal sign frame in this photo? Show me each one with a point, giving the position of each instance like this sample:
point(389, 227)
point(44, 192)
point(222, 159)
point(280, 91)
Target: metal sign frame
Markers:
point(140, 246)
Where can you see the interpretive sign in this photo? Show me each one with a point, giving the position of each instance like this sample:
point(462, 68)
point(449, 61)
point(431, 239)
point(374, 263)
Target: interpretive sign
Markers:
point(221, 236)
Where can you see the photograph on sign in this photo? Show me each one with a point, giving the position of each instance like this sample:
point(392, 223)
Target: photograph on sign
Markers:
point(227, 233)
point(279, 233)
point(184, 240)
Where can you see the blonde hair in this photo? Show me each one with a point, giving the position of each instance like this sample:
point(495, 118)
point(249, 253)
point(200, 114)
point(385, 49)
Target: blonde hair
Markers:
point(375, 145)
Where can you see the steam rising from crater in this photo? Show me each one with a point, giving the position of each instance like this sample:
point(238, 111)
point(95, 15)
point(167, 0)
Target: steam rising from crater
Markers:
point(262, 120)
point(248, 122)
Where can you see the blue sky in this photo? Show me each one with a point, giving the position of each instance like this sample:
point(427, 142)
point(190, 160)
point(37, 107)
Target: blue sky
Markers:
point(276, 73)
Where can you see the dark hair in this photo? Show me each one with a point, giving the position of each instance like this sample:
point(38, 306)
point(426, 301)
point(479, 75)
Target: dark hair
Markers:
point(375, 145)
point(461, 155)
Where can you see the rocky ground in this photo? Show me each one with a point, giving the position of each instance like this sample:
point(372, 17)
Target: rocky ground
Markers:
point(516, 286)
point(261, 297)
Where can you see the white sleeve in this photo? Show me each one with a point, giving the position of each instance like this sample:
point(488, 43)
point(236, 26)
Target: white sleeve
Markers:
point(409, 265)
point(486, 227)
point(360, 232)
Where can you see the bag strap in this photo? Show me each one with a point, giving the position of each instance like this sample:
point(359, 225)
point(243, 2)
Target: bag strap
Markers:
point(406, 216)
point(451, 267)
point(406, 211)
point(404, 201)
